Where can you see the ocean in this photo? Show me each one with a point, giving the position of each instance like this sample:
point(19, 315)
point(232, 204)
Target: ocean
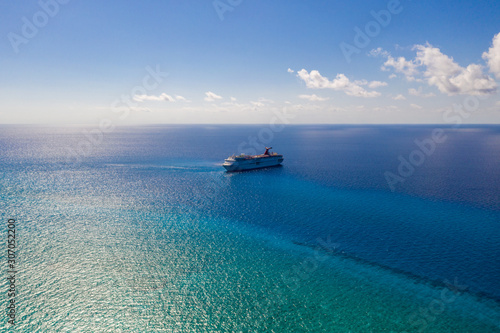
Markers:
point(140, 229)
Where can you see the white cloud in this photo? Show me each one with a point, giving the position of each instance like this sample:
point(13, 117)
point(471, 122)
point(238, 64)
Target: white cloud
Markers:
point(376, 84)
point(392, 76)
point(257, 104)
point(210, 96)
point(399, 98)
point(180, 98)
point(492, 57)
point(416, 106)
point(449, 77)
point(415, 92)
point(261, 102)
point(162, 97)
point(386, 108)
point(233, 99)
point(401, 65)
point(378, 52)
point(442, 72)
point(265, 100)
point(315, 80)
point(313, 98)
point(290, 70)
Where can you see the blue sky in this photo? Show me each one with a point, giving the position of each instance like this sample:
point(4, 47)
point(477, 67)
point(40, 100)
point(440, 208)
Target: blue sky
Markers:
point(233, 61)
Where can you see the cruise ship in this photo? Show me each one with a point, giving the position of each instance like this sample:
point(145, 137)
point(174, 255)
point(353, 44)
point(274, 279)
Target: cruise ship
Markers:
point(248, 162)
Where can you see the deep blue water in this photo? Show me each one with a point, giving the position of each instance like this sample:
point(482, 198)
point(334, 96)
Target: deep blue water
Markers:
point(145, 222)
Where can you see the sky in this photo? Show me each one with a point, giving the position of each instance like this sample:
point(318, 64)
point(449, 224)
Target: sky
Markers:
point(242, 61)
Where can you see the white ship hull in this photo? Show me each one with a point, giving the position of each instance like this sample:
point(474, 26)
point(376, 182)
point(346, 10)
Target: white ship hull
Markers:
point(252, 162)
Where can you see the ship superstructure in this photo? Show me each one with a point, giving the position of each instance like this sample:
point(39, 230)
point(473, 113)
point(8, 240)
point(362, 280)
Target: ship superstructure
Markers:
point(248, 162)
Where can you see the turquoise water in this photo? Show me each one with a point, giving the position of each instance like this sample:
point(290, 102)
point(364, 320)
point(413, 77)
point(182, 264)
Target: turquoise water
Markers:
point(151, 235)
